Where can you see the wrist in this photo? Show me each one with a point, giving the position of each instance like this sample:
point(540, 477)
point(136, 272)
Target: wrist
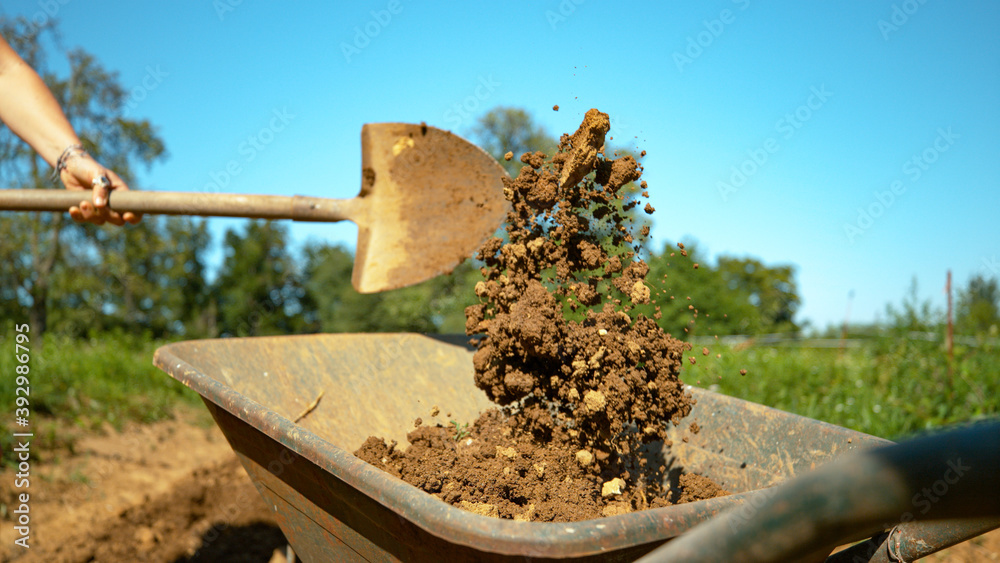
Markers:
point(71, 152)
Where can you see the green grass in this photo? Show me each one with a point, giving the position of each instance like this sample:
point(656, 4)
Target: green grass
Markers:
point(890, 387)
point(83, 384)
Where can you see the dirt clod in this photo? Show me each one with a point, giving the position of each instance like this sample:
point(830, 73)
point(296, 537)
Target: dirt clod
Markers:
point(583, 379)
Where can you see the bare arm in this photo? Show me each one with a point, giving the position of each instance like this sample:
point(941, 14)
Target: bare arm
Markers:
point(33, 114)
point(28, 108)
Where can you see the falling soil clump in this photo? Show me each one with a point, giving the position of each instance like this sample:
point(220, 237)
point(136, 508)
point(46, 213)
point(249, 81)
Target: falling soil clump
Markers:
point(584, 380)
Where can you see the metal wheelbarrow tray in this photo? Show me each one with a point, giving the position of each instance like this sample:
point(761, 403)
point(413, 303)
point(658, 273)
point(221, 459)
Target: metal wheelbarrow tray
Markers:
point(334, 507)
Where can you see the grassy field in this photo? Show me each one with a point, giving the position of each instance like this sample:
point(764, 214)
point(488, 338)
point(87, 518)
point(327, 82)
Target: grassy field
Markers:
point(87, 384)
point(888, 387)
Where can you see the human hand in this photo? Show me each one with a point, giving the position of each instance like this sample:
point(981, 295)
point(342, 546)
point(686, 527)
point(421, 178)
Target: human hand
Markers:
point(82, 172)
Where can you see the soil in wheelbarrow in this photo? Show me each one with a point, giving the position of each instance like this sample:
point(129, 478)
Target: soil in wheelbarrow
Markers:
point(569, 350)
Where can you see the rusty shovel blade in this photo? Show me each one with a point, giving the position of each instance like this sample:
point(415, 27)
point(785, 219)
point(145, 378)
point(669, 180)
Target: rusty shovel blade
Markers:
point(429, 199)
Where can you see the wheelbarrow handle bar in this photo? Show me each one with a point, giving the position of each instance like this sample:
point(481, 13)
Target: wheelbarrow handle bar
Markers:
point(297, 208)
point(947, 475)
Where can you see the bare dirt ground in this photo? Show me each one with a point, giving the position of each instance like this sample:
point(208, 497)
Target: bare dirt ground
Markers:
point(171, 491)
point(174, 492)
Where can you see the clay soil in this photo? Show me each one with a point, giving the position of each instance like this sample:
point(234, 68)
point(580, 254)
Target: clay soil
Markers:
point(570, 352)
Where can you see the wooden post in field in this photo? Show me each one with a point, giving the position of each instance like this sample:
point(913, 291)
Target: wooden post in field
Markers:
point(847, 320)
point(949, 336)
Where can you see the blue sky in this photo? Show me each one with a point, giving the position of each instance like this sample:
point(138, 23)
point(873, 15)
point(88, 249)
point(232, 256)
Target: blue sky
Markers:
point(856, 140)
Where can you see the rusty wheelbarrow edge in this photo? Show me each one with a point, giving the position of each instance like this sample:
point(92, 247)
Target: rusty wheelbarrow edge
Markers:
point(538, 539)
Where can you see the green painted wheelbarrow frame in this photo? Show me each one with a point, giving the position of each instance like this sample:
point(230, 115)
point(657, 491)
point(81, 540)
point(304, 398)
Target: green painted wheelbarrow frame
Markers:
point(293, 408)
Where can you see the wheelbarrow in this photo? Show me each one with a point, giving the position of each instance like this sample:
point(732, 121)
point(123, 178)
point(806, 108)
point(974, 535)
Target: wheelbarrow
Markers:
point(293, 408)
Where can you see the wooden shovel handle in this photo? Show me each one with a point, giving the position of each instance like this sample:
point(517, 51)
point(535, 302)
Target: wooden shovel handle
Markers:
point(297, 208)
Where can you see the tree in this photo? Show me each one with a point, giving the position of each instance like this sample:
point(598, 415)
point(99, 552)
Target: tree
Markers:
point(978, 308)
point(257, 290)
point(504, 129)
point(189, 299)
point(737, 296)
point(436, 305)
point(770, 290)
point(149, 278)
point(694, 301)
point(33, 247)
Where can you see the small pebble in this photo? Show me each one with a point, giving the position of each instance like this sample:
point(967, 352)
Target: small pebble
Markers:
point(613, 487)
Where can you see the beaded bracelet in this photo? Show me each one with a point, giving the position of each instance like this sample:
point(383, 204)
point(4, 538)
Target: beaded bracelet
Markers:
point(69, 152)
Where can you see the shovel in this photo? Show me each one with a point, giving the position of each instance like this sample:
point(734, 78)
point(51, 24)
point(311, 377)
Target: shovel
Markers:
point(428, 201)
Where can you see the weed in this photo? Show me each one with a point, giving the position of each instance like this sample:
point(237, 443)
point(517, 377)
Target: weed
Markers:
point(461, 430)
